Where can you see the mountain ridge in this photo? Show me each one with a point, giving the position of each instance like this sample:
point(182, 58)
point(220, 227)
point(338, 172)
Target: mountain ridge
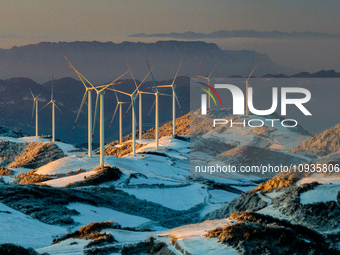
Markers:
point(103, 61)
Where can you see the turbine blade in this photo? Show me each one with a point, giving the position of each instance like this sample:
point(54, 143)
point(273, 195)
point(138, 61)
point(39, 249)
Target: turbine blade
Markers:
point(132, 76)
point(114, 114)
point(45, 106)
point(95, 114)
point(212, 71)
point(38, 95)
point(32, 93)
point(79, 74)
point(57, 107)
point(162, 94)
point(179, 105)
point(252, 71)
point(177, 72)
point(150, 111)
point(199, 76)
point(112, 83)
point(127, 110)
point(153, 79)
point(143, 81)
point(81, 106)
point(116, 96)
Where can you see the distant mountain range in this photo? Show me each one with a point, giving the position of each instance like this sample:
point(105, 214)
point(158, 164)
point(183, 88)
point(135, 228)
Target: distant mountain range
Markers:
point(101, 62)
point(221, 34)
point(320, 74)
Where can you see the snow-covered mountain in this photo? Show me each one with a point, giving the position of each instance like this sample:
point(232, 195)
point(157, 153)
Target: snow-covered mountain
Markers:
point(153, 204)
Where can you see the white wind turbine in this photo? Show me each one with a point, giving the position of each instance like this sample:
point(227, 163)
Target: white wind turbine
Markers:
point(89, 106)
point(35, 106)
point(208, 79)
point(247, 85)
point(133, 97)
point(89, 111)
point(174, 99)
point(100, 98)
point(157, 107)
point(119, 105)
point(53, 114)
point(140, 115)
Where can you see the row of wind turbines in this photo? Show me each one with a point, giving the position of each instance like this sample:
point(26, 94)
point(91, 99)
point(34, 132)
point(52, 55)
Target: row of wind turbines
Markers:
point(99, 107)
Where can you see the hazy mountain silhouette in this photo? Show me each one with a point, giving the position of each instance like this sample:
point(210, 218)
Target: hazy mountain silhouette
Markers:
point(101, 62)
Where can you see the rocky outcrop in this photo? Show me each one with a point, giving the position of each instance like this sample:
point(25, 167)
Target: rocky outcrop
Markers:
point(9, 151)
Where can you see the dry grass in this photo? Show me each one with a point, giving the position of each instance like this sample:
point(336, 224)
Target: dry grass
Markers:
point(31, 178)
point(275, 183)
point(90, 232)
point(5, 171)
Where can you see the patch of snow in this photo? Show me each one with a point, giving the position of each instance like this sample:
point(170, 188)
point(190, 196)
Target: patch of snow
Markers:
point(8, 179)
point(18, 228)
point(62, 182)
point(244, 188)
point(70, 163)
point(33, 139)
point(315, 177)
point(203, 246)
point(154, 180)
point(20, 170)
point(66, 247)
point(152, 165)
point(196, 230)
point(321, 193)
point(66, 148)
point(210, 208)
point(274, 194)
point(270, 211)
point(182, 198)
point(89, 213)
point(264, 198)
point(221, 196)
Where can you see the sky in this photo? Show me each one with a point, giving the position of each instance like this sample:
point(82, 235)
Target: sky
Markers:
point(32, 21)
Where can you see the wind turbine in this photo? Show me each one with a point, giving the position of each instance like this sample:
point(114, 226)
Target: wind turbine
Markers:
point(140, 115)
point(174, 99)
point(119, 104)
point(156, 105)
point(208, 79)
point(100, 98)
point(89, 111)
point(247, 85)
point(35, 106)
point(87, 94)
point(133, 97)
point(53, 114)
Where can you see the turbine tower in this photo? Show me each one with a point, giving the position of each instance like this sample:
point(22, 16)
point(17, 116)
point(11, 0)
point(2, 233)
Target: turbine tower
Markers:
point(53, 112)
point(247, 85)
point(35, 106)
point(208, 79)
